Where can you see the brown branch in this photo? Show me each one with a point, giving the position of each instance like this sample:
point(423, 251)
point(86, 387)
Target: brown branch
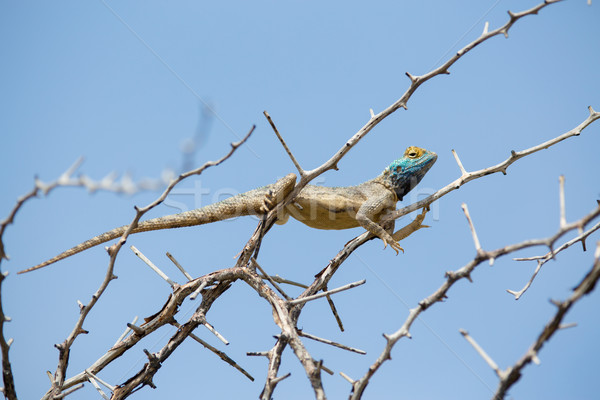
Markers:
point(58, 381)
point(451, 278)
point(9, 389)
point(145, 375)
point(512, 374)
point(541, 260)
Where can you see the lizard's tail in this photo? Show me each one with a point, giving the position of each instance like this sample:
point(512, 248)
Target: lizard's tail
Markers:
point(254, 202)
point(167, 222)
point(211, 213)
point(105, 237)
point(149, 225)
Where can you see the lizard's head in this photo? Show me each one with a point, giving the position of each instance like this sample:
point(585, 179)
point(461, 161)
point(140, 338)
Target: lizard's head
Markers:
point(405, 173)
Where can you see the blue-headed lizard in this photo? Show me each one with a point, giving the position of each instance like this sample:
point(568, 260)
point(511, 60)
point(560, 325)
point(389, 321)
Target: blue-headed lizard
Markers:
point(316, 206)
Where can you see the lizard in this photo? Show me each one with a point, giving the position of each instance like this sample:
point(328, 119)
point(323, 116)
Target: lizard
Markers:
point(318, 207)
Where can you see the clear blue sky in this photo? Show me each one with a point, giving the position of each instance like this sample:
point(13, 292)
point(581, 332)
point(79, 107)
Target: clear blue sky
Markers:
point(122, 84)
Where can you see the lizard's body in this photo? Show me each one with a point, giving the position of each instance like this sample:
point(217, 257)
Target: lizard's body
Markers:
point(316, 206)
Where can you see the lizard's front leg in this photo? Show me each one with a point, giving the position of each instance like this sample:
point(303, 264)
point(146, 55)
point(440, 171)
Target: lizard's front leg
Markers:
point(370, 211)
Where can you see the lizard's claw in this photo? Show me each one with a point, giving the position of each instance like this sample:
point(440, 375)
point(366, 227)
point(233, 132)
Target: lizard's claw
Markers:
point(394, 245)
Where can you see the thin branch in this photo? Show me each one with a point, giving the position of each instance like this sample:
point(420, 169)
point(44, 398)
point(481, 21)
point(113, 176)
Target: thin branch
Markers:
point(481, 352)
point(463, 171)
point(541, 260)
point(327, 293)
point(279, 279)
point(152, 266)
point(512, 374)
point(275, 285)
point(346, 377)
point(127, 330)
point(69, 391)
point(501, 167)
point(135, 328)
point(155, 360)
point(285, 146)
point(98, 388)
point(9, 389)
point(274, 357)
point(197, 291)
point(275, 381)
point(330, 342)
point(324, 368)
point(440, 294)
point(107, 385)
point(222, 355)
point(561, 197)
point(334, 311)
point(471, 227)
point(183, 271)
point(215, 332)
point(59, 383)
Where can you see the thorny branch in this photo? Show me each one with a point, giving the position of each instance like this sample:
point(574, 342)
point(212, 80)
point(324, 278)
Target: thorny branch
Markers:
point(286, 313)
point(108, 183)
point(58, 380)
point(452, 277)
point(512, 374)
point(306, 176)
point(7, 376)
point(541, 260)
point(501, 167)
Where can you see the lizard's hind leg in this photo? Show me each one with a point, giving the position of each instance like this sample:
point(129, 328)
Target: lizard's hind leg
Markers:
point(276, 194)
point(414, 226)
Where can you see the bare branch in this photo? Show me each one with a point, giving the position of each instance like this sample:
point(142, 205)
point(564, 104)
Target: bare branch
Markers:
point(275, 285)
point(215, 332)
point(127, 330)
point(69, 391)
point(561, 197)
point(481, 352)
point(59, 383)
point(330, 342)
point(512, 374)
point(541, 260)
point(183, 271)
point(108, 386)
point(98, 388)
point(472, 227)
point(9, 389)
point(501, 167)
point(451, 278)
point(334, 311)
point(346, 377)
point(460, 165)
point(279, 279)
point(285, 146)
point(327, 293)
point(152, 266)
point(222, 355)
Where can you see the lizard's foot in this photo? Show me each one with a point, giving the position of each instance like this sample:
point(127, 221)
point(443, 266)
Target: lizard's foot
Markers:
point(394, 245)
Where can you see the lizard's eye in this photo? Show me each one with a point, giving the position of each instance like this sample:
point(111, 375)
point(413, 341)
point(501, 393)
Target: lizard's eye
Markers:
point(412, 154)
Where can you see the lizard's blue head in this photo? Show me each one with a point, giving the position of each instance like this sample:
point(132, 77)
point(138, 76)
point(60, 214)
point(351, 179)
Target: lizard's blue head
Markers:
point(405, 173)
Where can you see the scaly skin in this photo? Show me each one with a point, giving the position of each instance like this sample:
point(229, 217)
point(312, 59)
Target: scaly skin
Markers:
point(316, 206)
